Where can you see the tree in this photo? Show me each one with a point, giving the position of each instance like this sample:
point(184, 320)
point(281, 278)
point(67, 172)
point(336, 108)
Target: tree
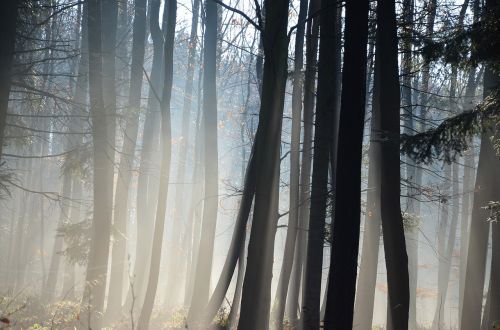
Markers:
point(345, 229)
point(486, 190)
point(147, 183)
point(103, 169)
point(178, 255)
point(8, 23)
point(256, 295)
point(324, 143)
point(169, 16)
point(127, 160)
point(205, 254)
point(387, 98)
point(293, 215)
point(312, 31)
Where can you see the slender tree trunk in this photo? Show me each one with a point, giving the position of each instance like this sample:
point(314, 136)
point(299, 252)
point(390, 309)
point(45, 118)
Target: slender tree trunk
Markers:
point(169, 16)
point(324, 137)
point(205, 255)
point(312, 32)
point(256, 295)
point(237, 241)
point(492, 81)
point(103, 169)
point(345, 228)
point(192, 237)
point(127, 162)
point(147, 184)
point(55, 260)
point(177, 256)
point(293, 215)
point(365, 293)
point(411, 233)
point(387, 100)
point(467, 189)
point(486, 189)
point(8, 23)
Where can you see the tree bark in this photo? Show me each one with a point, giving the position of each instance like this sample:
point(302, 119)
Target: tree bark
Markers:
point(324, 138)
point(205, 255)
point(345, 239)
point(312, 32)
point(8, 23)
point(169, 17)
point(103, 169)
point(256, 295)
point(127, 162)
point(147, 183)
point(177, 255)
point(293, 215)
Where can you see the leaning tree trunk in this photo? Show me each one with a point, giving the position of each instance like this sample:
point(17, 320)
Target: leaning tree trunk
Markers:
point(256, 295)
point(127, 162)
point(169, 16)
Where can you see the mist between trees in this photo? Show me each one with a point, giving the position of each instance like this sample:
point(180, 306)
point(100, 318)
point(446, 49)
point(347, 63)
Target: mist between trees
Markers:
point(250, 164)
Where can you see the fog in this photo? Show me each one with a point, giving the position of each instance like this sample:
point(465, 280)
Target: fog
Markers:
point(206, 164)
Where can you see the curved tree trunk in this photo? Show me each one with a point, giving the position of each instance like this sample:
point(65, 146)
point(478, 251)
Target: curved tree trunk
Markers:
point(169, 16)
point(147, 183)
point(256, 295)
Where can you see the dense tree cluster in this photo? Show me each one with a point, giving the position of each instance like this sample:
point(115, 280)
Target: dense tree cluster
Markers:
point(169, 164)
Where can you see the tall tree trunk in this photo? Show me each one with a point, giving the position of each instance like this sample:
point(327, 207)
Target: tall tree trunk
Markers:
point(486, 189)
point(205, 255)
point(193, 230)
point(147, 183)
point(177, 256)
point(127, 161)
point(345, 228)
point(312, 32)
point(412, 233)
point(324, 137)
point(256, 295)
point(293, 215)
point(467, 189)
point(103, 169)
point(365, 293)
point(109, 28)
point(169, 16)
point(8, 23)
point(492, 81)
point(387, 103)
